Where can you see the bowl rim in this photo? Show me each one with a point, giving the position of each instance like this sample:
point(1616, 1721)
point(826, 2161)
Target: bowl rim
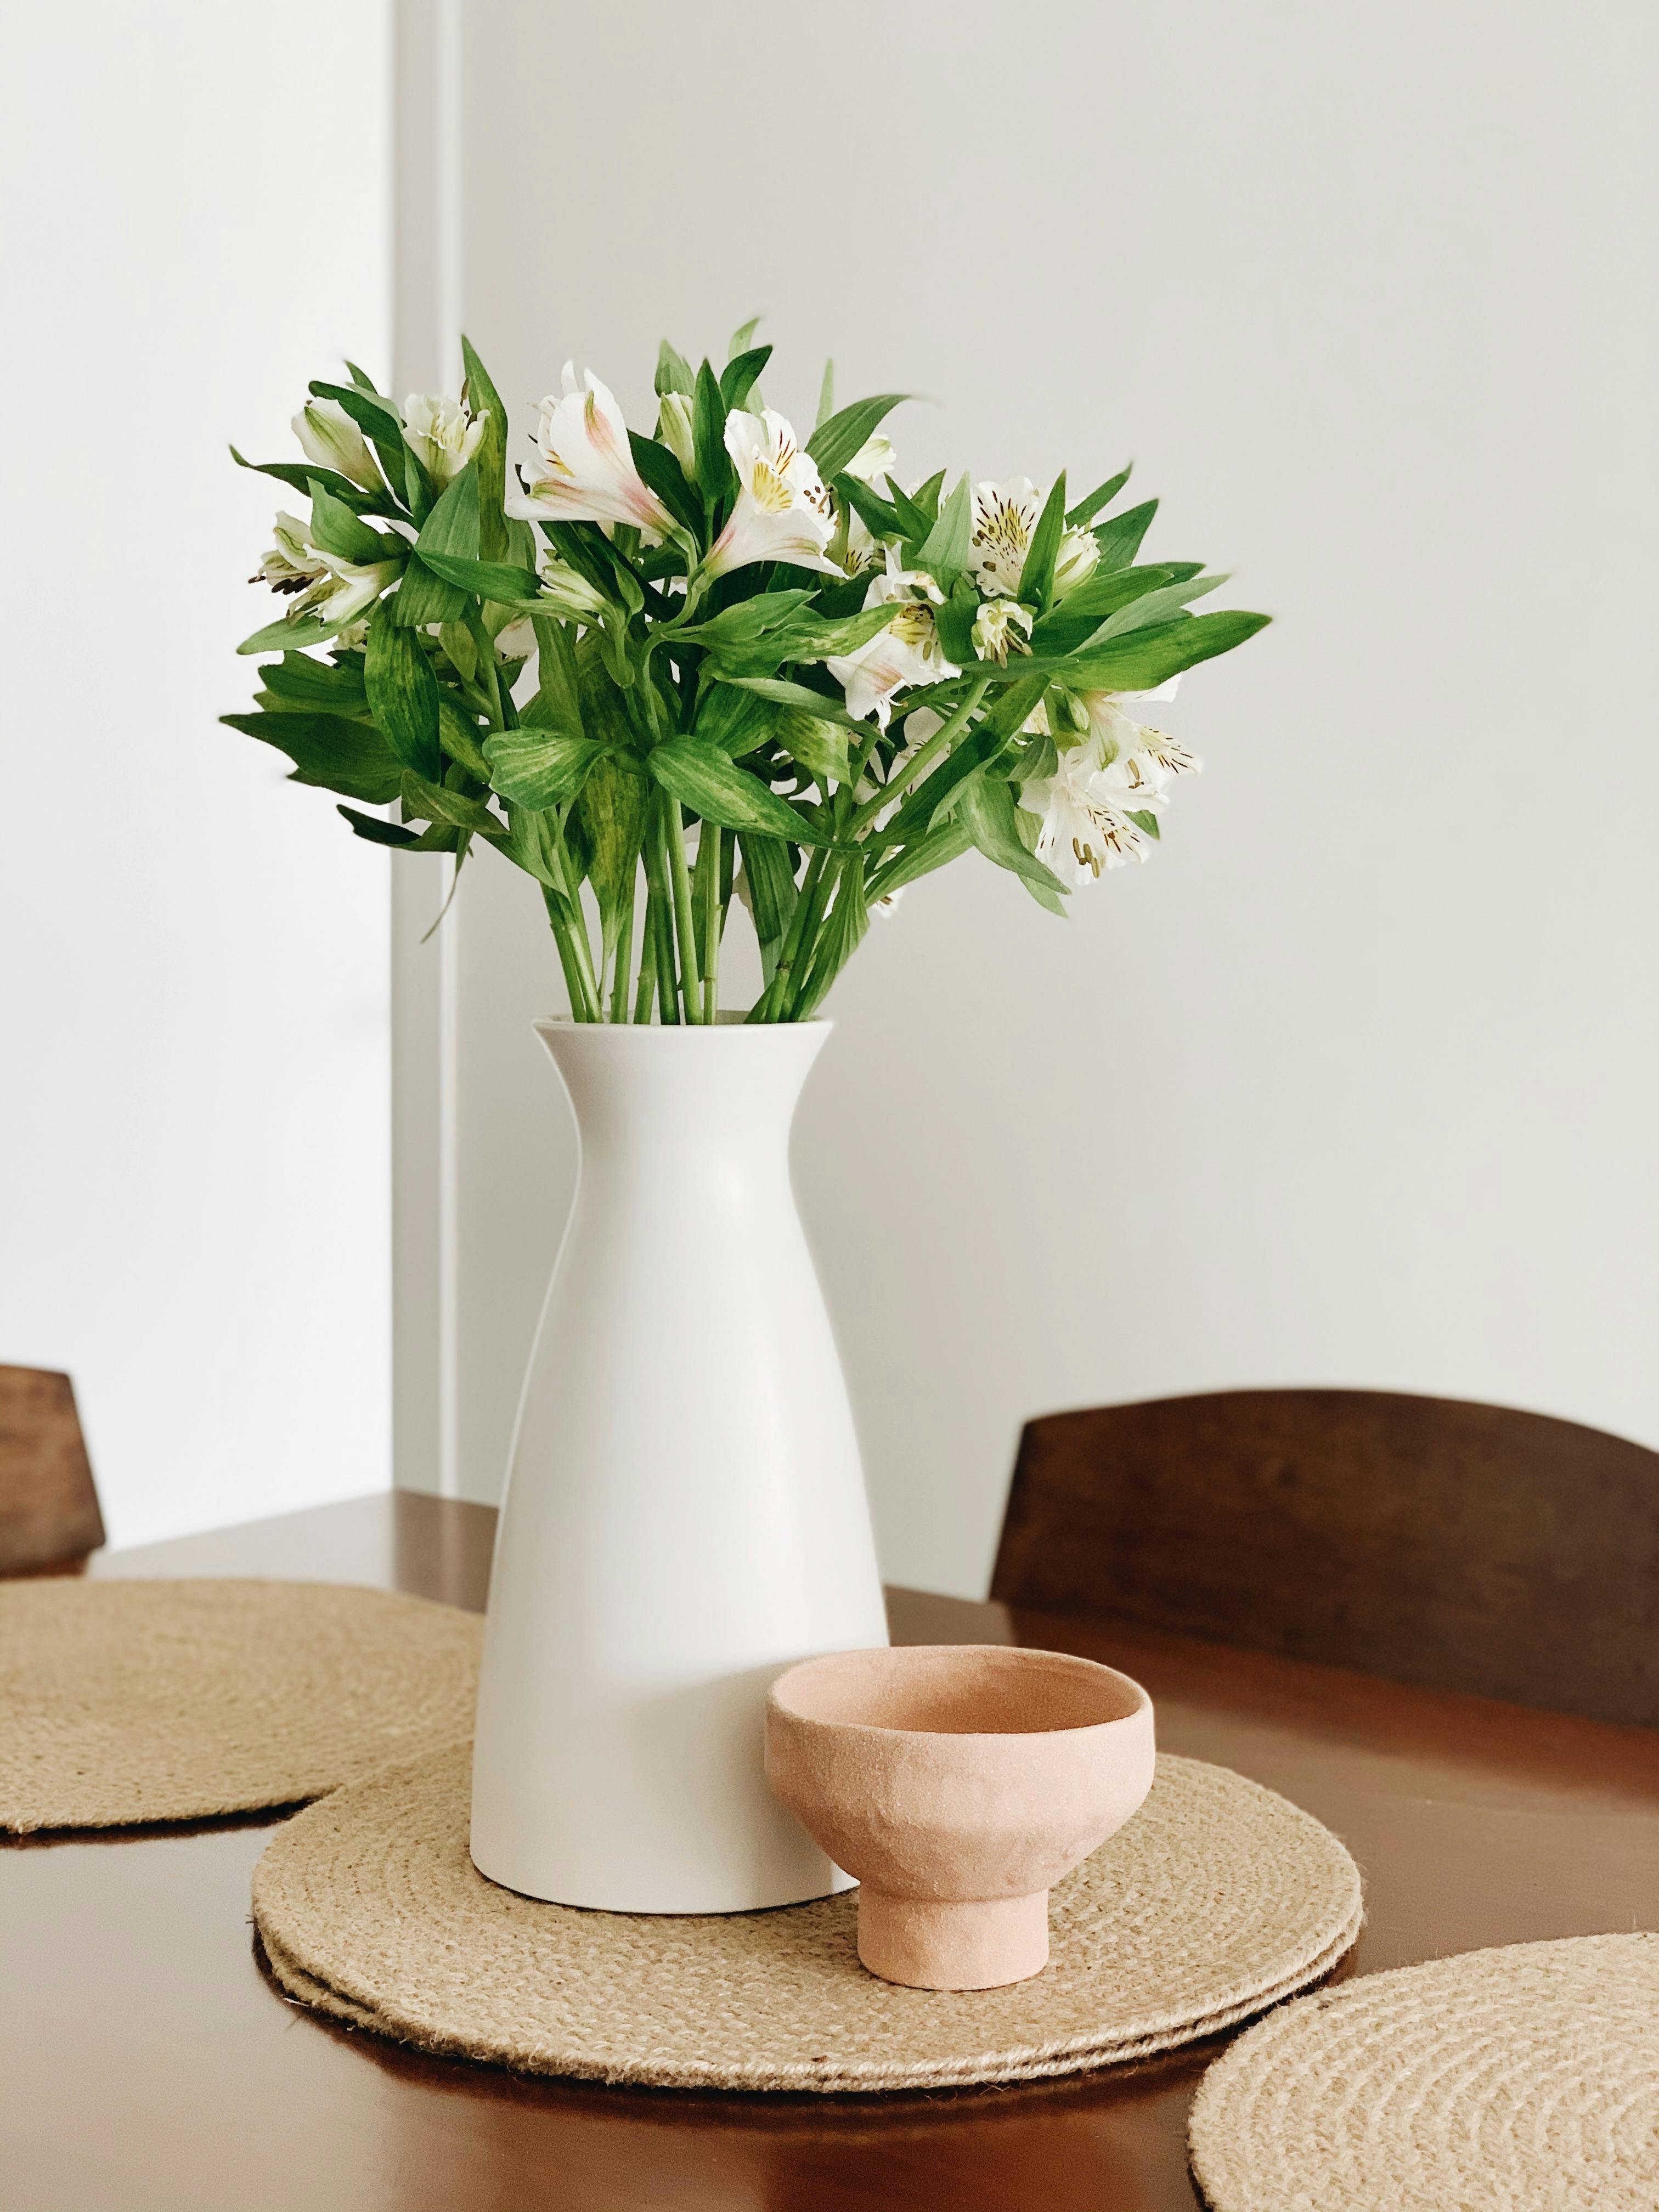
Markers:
point(1140, 1711)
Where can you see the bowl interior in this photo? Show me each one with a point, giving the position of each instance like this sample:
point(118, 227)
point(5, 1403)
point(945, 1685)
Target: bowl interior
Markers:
point(959, 1689)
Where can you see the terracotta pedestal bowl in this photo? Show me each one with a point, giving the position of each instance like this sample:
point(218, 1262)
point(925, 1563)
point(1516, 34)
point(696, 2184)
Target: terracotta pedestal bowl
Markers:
point(958, 1782)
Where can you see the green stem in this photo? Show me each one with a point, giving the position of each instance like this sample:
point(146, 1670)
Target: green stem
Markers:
point(686, 930)
point(647, 985)
point(803, 978)
point(658, 911)
point(773, 1004)
point(571, 895)
point(709, 864)
point(921, 762)
point(582, 1005)
point(622, 955)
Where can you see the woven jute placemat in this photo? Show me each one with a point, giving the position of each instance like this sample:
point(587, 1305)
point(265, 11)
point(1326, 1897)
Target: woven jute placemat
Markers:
point(1522, 2080)
point(1217, 1899)
point(124, 1702)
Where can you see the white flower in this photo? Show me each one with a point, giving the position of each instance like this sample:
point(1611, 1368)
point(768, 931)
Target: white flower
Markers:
point(783, 512)
point(1005, 516)
point(997, 628)
point(1135, 761)
point(1084, 827)
point(319, 584)
point(587, 471)
point(674, 430)
point(874, 462)
point(908, 651)
point(1075, 562)
point(568, 590)
point(332, 439)
point(517, 641)
point(1121, 769)
point(443, 434)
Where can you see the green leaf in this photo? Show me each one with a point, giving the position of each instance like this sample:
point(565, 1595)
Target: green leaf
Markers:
point(612, 806)
point(805, 637)
point(436, 802)
point(287, 635)
point(337, 529)
point(557, 704)
point(458, 733)
point(745, 621)
point(914, 521)
point(404, 694)
point(741, 374)
point(329, 750)
point(1143, 818)
point(363, 380)
point(532, 843)
point(798, 695)
point(734, 720)
point(819, 747)
point(536, 767)
point(300, 475)
point(1149, 607)
point(740, 337)
point(367, 409)
point(713, 466)
point(662, 474)
point(490, 579)
point(1103, 495)
point(1144, 658)
point(840, 937)
point(1081, 612)
point(935, 848)
point(297, 682)
point(673, 372)
point(1036, 577)
point(986, 810)
point(377, 830)
point(1118, 540)
point(826, 397)
point(833, 443)
point(490, 460)
point(452, 527)
point(772, 893)
point(947, 548)
point(700, 776)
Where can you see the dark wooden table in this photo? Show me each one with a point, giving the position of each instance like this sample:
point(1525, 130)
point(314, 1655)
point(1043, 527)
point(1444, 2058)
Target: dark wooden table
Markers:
point(148, 2065)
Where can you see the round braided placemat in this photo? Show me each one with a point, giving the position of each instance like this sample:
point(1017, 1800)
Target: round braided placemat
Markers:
point(1522, 2080)
point(123, 1702)
point(1217, 1899)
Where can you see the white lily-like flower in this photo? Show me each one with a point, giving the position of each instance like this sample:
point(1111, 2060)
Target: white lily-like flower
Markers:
point(908, 651)
point(587, 471)
point(1086, 826)
point(874, 462)
point(1004, 519)
point(674, 430)
point(1134, 760)
point(783, 512)
point(443, 432)
point(1078, 558)
point(568, 591)
point(997, 630)
point(332, 439)
point(317, 583)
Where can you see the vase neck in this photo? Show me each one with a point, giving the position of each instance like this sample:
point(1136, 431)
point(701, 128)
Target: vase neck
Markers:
point(687, 1092)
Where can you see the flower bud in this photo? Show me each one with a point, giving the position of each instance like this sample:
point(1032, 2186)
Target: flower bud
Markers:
point(674, 429)
point(332, 439)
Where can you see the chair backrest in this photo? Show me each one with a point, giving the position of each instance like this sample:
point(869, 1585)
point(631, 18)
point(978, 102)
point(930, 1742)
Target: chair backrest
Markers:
point(1472, 1547)
point(49, 1513)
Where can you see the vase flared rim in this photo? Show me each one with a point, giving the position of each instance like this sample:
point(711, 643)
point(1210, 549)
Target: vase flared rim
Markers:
point(727, 1021)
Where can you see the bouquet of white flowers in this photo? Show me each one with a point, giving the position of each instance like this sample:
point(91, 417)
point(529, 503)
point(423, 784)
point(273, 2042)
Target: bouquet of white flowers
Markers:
point(717, 658)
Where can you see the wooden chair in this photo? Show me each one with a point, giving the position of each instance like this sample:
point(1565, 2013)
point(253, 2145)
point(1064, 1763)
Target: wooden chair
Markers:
point(49, 1515)
point(1471, 1546)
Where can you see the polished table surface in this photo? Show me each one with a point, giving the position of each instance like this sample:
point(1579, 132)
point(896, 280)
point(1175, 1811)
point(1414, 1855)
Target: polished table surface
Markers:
point(147, 2064)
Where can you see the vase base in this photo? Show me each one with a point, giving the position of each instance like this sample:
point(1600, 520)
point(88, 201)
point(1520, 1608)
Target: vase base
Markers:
point(692, 1901)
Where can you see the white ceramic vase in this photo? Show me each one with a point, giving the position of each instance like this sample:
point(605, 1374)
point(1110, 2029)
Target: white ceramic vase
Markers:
point(685, 1512)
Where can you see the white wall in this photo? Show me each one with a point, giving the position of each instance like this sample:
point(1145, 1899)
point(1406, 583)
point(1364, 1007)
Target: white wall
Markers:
point(1357, 1081)
point(193, 989)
